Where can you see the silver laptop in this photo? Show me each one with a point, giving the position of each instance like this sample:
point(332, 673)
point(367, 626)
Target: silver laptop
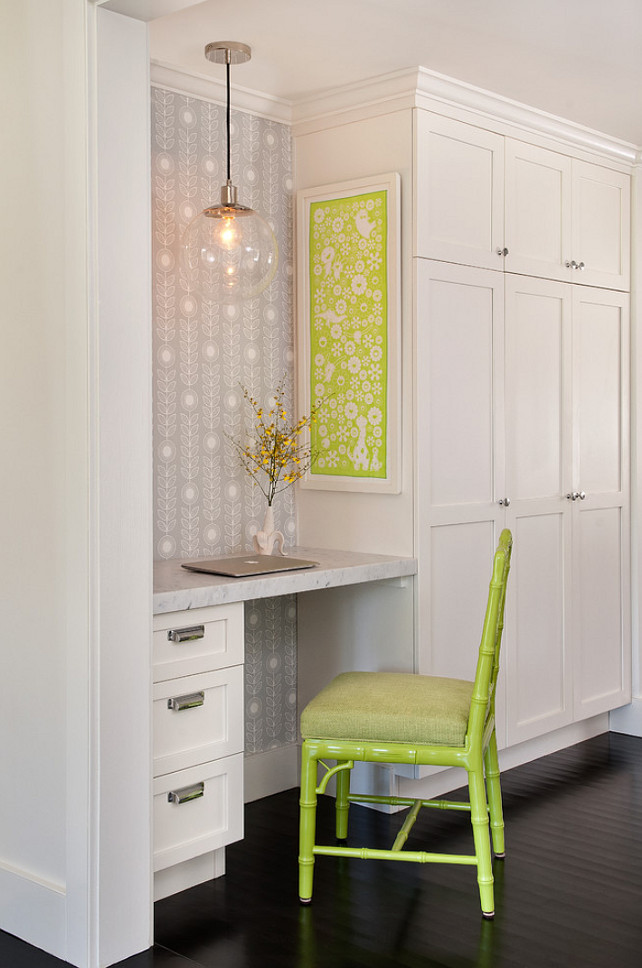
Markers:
point(244, 566)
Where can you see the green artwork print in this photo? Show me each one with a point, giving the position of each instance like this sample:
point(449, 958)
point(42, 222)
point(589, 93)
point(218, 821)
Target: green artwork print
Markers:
point(349, 335)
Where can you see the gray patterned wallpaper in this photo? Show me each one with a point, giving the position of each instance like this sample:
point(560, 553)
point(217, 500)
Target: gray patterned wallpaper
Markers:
point(203, 353)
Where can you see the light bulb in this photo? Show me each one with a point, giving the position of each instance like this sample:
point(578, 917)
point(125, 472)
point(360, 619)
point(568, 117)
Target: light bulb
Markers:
point(229, 235)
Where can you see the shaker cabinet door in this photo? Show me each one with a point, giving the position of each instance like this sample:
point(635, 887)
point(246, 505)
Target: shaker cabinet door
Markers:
point(538, 659)
point(538, 211)
point(600, 508)
point(459, 457)
point(459, 186)
point(601, 226)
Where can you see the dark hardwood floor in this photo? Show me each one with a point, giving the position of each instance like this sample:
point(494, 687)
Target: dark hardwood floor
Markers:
point(568, 895)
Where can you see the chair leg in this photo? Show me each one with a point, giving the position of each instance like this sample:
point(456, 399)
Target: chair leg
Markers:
point(307, 823)
point(342, 804)
point(481, 835)
point(495, 797)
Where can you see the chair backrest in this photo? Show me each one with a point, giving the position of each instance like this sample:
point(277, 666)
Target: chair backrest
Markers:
point(482, 706)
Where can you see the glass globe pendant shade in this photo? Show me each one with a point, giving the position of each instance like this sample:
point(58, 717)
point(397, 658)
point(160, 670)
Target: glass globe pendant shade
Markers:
point(230, 250)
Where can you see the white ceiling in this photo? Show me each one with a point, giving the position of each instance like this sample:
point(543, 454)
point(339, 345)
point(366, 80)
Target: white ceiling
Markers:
point(578, 59)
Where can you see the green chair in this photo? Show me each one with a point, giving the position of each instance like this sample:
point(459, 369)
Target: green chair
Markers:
point(382, 717)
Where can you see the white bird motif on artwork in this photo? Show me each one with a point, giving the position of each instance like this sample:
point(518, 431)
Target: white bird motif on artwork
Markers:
point(364, 226)
point(331, 317)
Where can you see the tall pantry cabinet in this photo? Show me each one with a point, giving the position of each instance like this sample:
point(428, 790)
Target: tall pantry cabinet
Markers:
point(522, 413)
point(515, 332)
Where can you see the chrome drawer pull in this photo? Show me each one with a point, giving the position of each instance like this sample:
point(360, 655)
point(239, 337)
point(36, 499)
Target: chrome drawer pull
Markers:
point(186, 635)
point(186, 793)
point(177, 703)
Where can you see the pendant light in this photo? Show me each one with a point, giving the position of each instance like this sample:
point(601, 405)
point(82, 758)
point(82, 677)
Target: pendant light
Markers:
point(229, 246)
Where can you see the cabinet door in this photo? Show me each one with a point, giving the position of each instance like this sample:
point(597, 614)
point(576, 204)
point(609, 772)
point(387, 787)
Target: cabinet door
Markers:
point(602, 647)
point(538, 211)
point(458, 445)
point(538, 658)
point(601, 226)
point(459, 192)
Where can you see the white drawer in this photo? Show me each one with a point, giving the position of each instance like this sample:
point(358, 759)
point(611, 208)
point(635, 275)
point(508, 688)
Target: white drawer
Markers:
point(197, 640)
point(212, 819)
point(197, 719)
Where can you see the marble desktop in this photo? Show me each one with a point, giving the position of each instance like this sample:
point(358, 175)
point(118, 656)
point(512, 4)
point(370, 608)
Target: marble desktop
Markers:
point(176, 589)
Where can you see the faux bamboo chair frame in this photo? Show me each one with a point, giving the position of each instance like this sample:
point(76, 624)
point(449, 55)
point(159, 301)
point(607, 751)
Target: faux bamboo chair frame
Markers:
point(478, 756)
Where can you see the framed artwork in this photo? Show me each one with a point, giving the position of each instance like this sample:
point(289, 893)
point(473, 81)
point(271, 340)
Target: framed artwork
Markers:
point(349, 332)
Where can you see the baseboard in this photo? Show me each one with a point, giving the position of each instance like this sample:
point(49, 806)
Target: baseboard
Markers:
point(33, 910)
point(627, 719)
point(278, 769)
point(446, 780)
point(271, 772)
point(205, 867)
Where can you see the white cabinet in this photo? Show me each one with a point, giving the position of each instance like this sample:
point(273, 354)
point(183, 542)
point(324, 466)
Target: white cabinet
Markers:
point(565, 218)
point(500, 203)
point(539, 443)
point(198, 724)
point(522, 403)
point(601, 506)
point(538, 211)
point(567, 477)
point(459, 452)
point(459, 192)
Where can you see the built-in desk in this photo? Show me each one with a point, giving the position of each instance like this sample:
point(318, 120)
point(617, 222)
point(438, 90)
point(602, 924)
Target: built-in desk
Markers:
point(354, 611)
point(176, 589)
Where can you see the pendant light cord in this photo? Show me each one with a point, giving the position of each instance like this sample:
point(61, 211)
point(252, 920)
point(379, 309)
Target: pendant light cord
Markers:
point(228, 121)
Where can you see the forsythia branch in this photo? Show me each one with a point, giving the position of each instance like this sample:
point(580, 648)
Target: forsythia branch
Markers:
point(274, 455)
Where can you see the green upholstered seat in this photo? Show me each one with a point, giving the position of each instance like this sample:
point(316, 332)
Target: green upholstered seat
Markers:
point(397, 718)
point(392, 707)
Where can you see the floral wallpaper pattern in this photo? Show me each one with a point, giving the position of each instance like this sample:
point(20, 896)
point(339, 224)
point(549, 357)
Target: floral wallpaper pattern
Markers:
point(204, 353)
point(348, 334)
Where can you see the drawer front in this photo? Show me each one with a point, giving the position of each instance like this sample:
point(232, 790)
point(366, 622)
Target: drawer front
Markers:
point(197, 640)
point(197, 810)
point(197, 719)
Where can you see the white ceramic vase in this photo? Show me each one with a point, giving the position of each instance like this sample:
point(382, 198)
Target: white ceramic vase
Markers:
point(267, 541)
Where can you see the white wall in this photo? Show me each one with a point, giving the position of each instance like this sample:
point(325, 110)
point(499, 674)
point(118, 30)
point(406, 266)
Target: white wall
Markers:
point(340, 519)
point(75, 413)
point(42, 314)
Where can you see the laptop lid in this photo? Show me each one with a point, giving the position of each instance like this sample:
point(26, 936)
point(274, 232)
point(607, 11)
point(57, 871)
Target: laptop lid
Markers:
point(244, 566)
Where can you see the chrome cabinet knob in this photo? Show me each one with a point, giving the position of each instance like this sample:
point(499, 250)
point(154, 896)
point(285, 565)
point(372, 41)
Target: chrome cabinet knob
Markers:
point(571, 265)
point(581, 265)
point(504, 502)
point(576, 496)
point(503, 251)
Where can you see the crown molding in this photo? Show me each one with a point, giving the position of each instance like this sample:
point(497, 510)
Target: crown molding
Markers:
point(206, 88)
point(384, 90)
point(414, 87)
point(420, 87)
point(487, 104)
